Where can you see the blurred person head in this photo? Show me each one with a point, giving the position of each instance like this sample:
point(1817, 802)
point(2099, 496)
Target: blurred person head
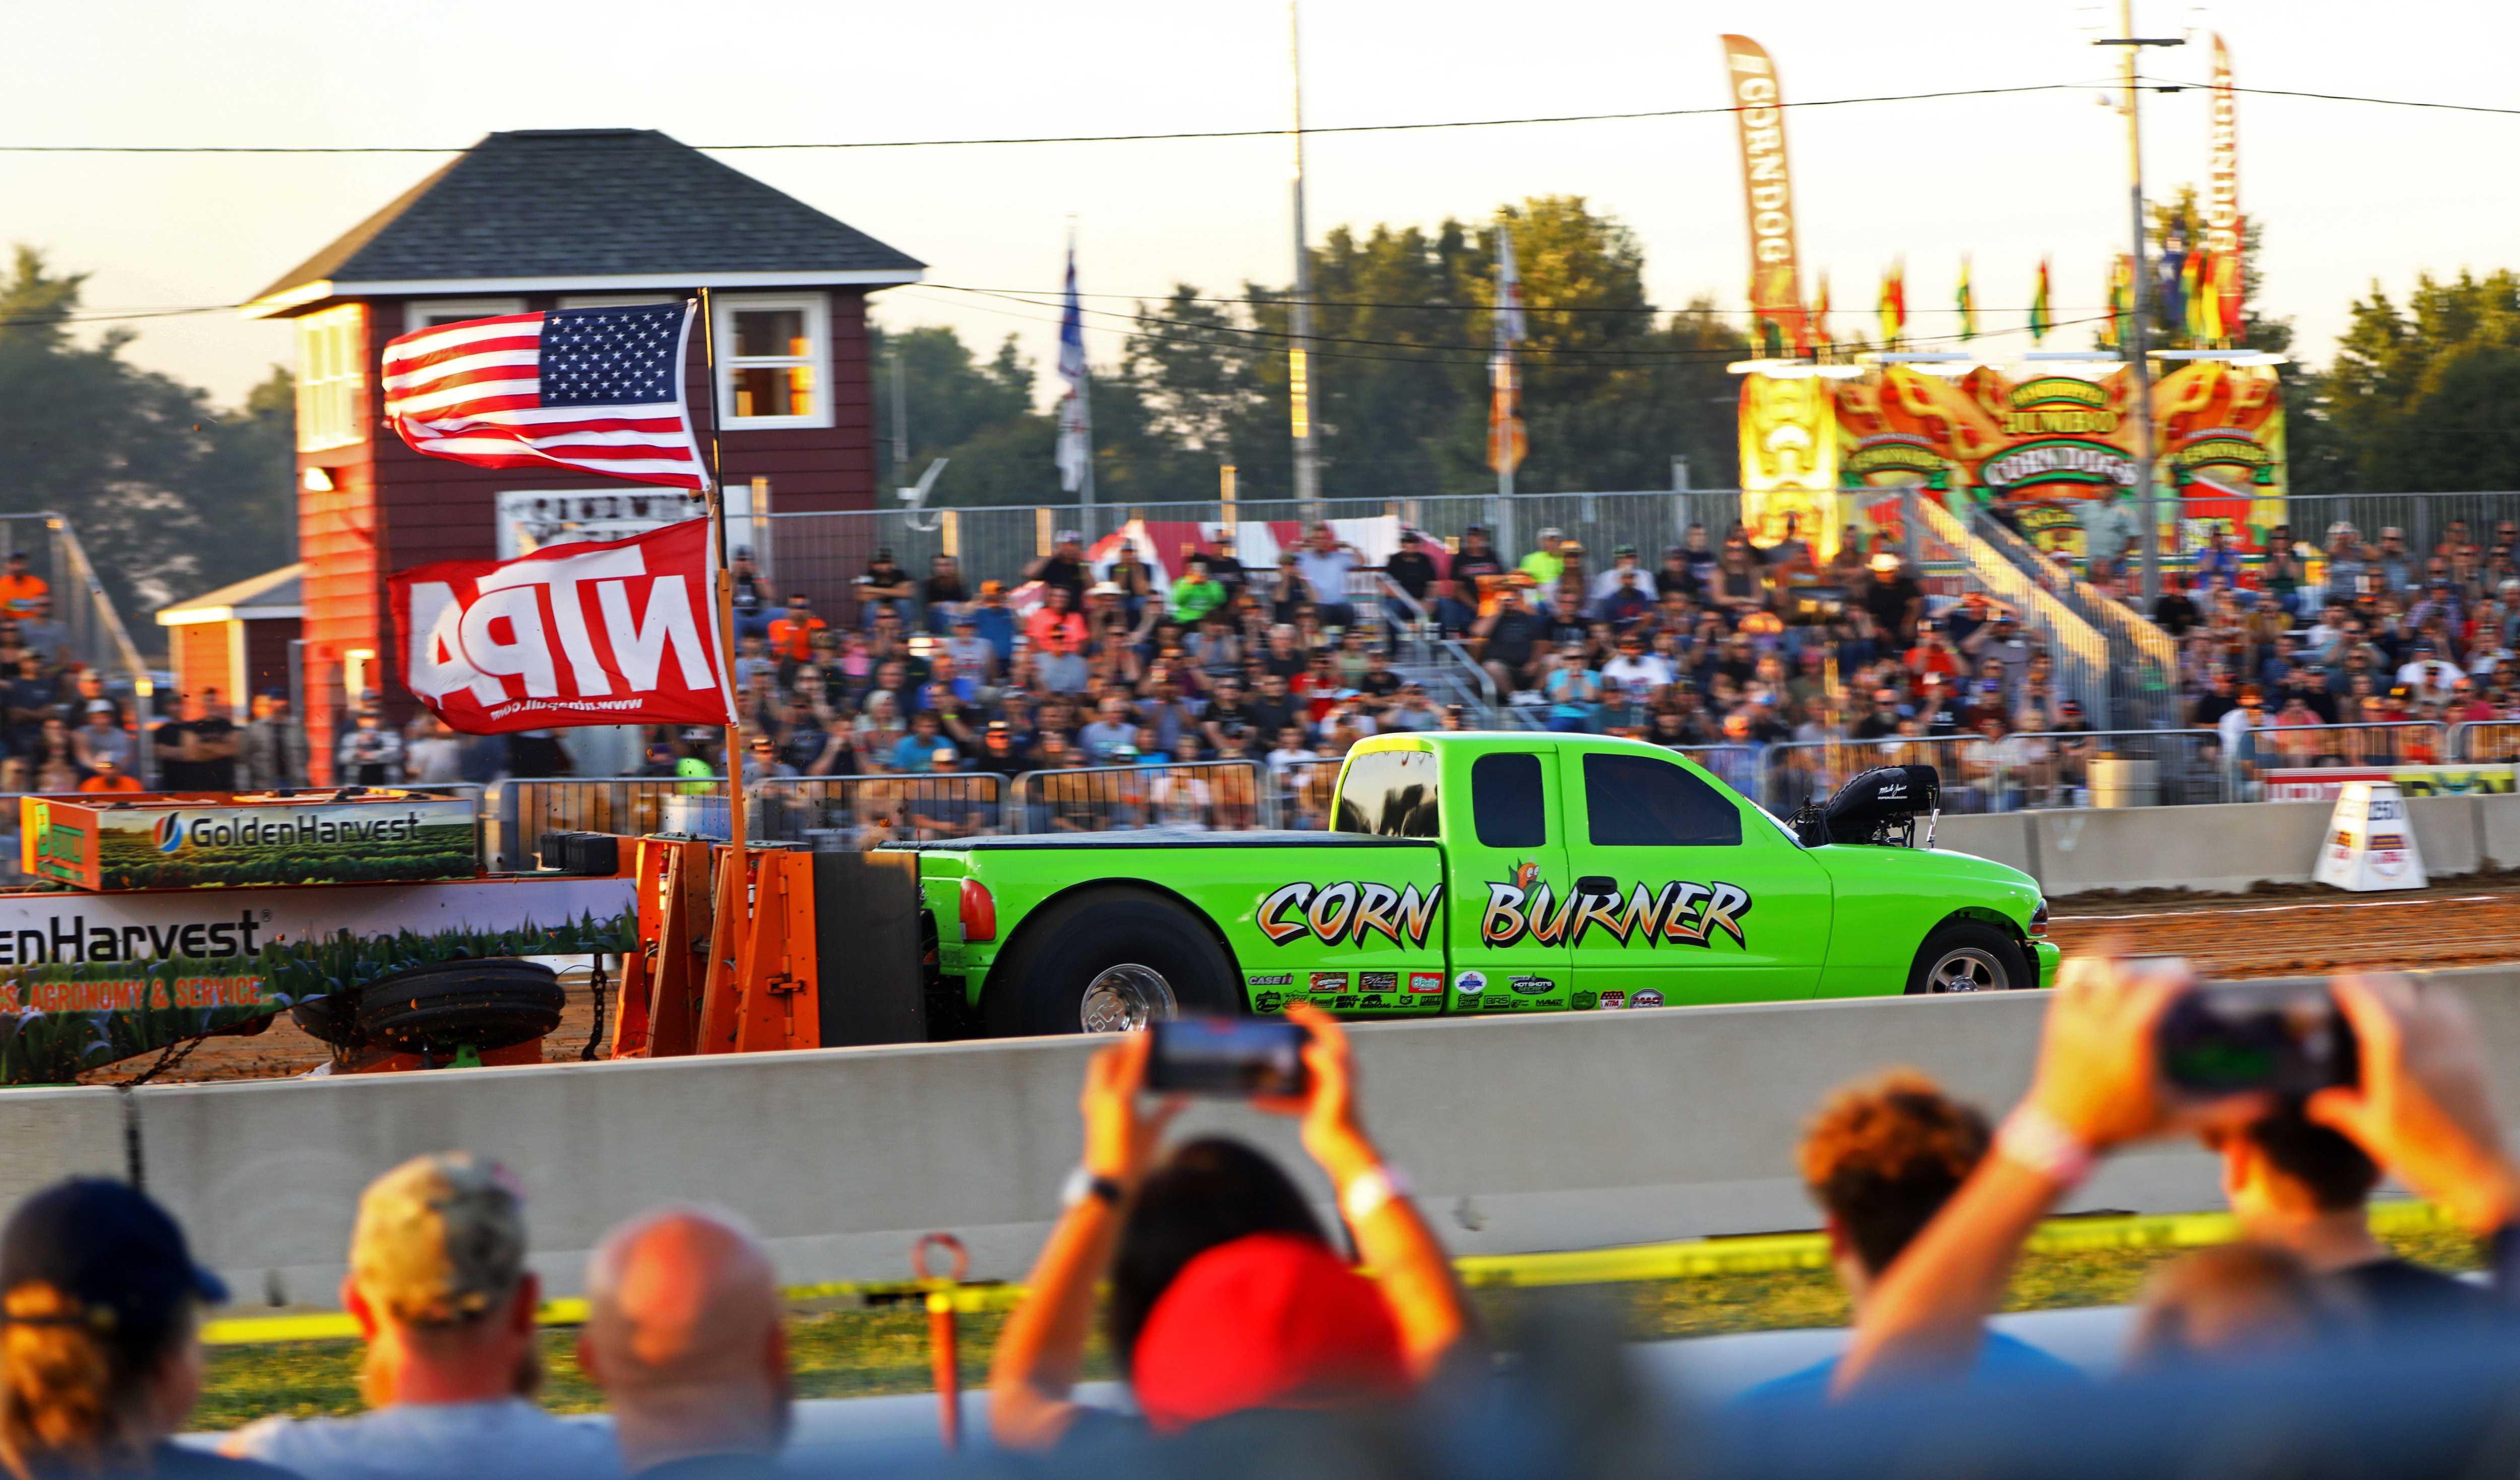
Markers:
point(684, 1335)
point(1881, 1158)
point(100, 1352)
point(2231, 1303)
point(438, 1285)
point(1227, 1296)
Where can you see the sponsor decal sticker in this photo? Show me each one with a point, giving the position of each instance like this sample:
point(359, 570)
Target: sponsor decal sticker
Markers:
point(1377, 981)
point(1329, 981)
point(1471, 983)
point(1613, 1000)
point(1371, 1002)
point(1347, 913)
point(1426, 981)
point(1342, 1003)
point(1534, 986)
point(1268, 1002)
point(1650, 998)
point(1275, 979)
point(1582, 1001)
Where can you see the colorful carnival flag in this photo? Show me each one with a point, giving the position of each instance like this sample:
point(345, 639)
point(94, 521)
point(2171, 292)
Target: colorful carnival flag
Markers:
point(1820, 331)
point(1966, 303)
point(617, 632)
point(596, 389)
point(2121, 302)
point(2229, 295)
point(1075, 455)
point(1893, 308)
point(2193, 302)
point(2039, 320)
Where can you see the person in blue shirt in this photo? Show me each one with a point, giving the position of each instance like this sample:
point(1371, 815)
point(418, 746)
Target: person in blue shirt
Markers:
point(1881, 1158)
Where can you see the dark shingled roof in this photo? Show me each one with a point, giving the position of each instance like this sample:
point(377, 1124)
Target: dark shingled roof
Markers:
point(587, 203)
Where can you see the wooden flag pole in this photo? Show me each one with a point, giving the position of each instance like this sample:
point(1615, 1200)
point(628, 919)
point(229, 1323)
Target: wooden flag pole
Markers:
point(725, 590)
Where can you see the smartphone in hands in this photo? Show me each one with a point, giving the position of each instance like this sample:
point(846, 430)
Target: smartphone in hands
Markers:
point(2242, 1037)
point(1229, 1057)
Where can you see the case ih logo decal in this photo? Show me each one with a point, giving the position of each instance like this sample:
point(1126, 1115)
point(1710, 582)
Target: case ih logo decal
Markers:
point(1349, 911)
point(1681, 912)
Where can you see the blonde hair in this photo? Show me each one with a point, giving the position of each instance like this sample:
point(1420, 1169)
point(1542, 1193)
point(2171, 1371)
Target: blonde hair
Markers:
point(72, 1384)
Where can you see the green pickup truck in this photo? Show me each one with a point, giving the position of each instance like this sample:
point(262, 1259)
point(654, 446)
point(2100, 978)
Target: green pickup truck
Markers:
point(1482, 872)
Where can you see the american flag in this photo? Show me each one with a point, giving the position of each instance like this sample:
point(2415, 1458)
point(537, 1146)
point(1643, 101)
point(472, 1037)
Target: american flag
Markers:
point(594, 388)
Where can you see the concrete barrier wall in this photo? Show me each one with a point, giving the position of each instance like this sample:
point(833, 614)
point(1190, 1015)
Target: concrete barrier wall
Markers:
point(2217, 849)
point(1542, 1133)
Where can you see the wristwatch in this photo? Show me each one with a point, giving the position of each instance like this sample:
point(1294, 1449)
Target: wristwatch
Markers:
point(1082, 1184)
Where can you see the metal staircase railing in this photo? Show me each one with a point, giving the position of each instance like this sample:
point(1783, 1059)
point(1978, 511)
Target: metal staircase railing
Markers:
point(2080, 652)
point(2143, 659)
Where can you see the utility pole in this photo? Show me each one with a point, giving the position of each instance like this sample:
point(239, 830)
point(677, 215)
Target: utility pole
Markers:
point(2139, 366)
point(1300, 384)
point(900, 420)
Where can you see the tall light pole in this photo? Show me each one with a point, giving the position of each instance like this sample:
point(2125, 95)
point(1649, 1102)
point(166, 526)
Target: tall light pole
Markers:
point(2139, 366)
point(1299, 383)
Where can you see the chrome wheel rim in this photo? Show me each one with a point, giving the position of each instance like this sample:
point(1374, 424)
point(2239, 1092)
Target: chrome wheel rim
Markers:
point(1966, 968)
point(1126, 998)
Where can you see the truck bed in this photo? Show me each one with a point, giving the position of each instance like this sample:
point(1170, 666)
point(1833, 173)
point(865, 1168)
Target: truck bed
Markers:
point(1166, 837)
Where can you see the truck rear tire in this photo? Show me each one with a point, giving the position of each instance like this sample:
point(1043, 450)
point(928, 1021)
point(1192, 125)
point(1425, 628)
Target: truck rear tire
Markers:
point(1109, 961)
point(1969, 956)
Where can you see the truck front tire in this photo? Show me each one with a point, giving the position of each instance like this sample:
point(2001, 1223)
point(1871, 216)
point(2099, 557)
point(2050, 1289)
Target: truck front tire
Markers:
point(1969, 956)
point(1131, 949)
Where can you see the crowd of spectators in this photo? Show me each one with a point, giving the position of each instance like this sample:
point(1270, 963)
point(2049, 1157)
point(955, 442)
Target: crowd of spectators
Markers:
point(2361, 632)
point(1784, 671)
point(1223, 1296)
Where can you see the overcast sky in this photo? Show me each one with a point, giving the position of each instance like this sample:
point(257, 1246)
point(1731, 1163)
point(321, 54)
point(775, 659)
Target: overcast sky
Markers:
point(2347, 192)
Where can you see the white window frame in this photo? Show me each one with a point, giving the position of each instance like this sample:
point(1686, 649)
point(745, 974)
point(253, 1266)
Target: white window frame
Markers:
point(817, 309)
point(453, 309)
point(619, 299)
point(332, 379)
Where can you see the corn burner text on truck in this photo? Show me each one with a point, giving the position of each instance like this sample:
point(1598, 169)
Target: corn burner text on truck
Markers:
point(1482, 872)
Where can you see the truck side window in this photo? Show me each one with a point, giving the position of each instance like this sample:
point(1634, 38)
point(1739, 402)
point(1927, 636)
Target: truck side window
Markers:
point(1635, 801)
point(1506, 802)
point(1389, 793)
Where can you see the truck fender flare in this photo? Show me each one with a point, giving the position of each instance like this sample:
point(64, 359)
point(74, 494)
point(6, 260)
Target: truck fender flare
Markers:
point(1024, 931)
point(1983, 915)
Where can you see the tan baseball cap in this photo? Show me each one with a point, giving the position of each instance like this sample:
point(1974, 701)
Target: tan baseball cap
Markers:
point(441, 1239)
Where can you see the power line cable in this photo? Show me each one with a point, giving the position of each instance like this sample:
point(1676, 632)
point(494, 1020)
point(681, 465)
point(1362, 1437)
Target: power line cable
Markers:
point(1217, 133)
point(2168, 83)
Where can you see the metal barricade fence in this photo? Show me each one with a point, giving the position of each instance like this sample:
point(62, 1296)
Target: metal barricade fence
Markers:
point(1304, 792)
point(850, 814)
point(517, 813)
point(1222, 797)
point(2486, 740)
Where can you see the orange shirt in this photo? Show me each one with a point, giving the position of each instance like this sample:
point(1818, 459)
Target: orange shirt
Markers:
point(789, 638)
point(19, 592)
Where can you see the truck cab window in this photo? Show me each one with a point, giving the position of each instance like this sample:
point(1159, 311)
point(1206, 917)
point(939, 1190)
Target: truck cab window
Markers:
point(1389, 793)
point(1506, 803)
point(1636, 801)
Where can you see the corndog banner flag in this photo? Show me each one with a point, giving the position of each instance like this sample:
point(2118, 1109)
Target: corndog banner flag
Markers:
point(619, 631)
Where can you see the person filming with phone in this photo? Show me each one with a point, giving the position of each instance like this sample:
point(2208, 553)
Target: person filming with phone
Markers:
point(1227, 1296)
point(2133, 1051)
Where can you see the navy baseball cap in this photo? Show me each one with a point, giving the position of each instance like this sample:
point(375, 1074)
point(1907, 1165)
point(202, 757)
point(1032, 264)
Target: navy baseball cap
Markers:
point(107, 1245)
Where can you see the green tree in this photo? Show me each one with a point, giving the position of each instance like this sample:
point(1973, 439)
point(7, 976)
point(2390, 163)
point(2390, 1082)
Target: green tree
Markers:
point(169, 495)
point(2413, 390)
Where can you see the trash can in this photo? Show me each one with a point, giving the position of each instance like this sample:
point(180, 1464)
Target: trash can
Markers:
point(2124, 781)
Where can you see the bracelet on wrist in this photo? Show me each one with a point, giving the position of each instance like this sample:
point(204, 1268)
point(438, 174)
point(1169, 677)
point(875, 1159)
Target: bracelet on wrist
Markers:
point(1369, 1192)
point(1082, 1184)
point(2035, 1141)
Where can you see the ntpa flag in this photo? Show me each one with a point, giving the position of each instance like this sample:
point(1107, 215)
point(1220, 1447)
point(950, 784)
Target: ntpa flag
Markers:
point(618, 633)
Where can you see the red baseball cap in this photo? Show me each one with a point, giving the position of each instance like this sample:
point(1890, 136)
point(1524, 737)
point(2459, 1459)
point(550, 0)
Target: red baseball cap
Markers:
point(1270, 1321)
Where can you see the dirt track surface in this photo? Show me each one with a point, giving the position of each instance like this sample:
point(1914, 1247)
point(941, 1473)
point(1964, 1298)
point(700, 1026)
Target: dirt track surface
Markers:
point(2290, 931)
point(285, 1049)
point(2307, 931)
